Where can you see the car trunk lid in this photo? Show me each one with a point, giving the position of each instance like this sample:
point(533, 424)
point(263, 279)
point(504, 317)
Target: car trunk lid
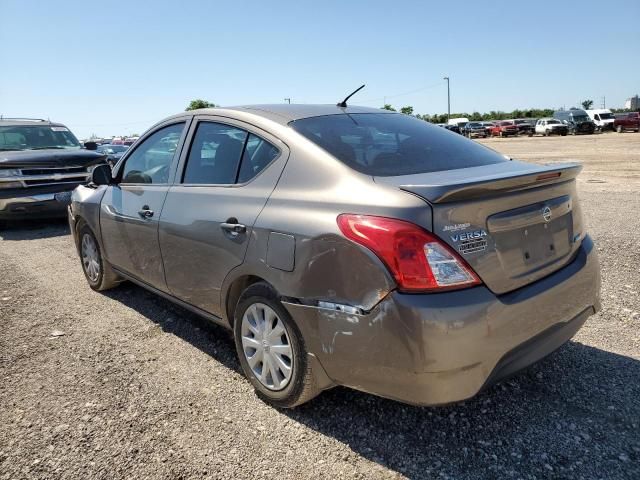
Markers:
point(513, 222)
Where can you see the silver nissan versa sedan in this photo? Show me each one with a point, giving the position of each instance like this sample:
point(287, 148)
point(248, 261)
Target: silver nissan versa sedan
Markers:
point(346, 246)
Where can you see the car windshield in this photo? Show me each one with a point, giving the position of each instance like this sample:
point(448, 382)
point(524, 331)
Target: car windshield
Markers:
point(380, 144)
point(36, 137)
point(473, 124)
point(553, 122)
point(606, 116)
point(580, 118)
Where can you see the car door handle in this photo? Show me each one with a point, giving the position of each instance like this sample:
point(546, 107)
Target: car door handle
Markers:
point(233, 227)
point(145, 212)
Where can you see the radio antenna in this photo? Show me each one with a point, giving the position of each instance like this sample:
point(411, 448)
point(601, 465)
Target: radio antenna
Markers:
point(343, 103)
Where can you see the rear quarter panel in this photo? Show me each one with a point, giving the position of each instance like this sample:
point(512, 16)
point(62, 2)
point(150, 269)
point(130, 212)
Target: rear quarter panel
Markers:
point(313, 190)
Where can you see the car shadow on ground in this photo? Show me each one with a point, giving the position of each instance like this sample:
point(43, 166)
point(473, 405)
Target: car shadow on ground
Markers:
point(547, 421)
point(34, 229)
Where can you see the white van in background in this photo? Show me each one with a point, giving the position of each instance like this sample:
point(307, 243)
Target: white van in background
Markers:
point(458, 121)
point(602, 117)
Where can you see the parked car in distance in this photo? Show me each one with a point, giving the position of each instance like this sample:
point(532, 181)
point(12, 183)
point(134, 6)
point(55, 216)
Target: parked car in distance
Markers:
point(474, 129)
point(551, 126)
point(576, 120)
point(627, 121)
point(504, 128)
point(112, 152)
point(602, 117)
point(525, 126)
point(346, 246)
point(41, 162)
point(130, 141)
point(453, 128)
point(488, 126)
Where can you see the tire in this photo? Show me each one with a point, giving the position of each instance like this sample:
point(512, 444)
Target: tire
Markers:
point(99, 274)
point(300, 386)
point(546, 133)
point(619, 129)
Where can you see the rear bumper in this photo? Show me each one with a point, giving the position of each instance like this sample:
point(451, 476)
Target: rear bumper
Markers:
point(442, 348)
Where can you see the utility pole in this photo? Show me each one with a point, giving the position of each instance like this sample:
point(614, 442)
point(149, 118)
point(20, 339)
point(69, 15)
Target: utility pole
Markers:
point(448, 100)
point(288, 100)
point(604, 103)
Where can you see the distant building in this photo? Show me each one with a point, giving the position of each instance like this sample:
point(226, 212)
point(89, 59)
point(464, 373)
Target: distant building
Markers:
point(632, 103)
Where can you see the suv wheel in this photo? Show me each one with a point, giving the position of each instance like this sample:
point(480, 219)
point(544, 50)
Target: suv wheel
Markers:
point(97, 270)
point(619, 129)
point(271, 350)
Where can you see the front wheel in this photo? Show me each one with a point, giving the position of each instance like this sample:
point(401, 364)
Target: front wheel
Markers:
point(97, 270)
point(619, 129)
point(271, 349)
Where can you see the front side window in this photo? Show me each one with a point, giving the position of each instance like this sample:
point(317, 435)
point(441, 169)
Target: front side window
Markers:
point(215, 154)
point(386, 144)
point(151, 160)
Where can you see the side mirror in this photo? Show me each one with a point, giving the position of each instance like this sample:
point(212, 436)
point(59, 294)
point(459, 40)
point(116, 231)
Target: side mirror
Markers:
point(101, 175)
point(91, 145)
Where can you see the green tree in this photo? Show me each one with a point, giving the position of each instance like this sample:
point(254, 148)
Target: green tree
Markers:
point(407, 110)
point(199, 103)
point(587, 104)
point(388, 107)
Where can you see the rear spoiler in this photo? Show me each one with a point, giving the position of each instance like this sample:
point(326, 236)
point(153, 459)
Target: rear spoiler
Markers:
point(485, 181)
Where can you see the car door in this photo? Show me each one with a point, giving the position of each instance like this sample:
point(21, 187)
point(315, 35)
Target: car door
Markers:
point(130, 209)
point(226, 177)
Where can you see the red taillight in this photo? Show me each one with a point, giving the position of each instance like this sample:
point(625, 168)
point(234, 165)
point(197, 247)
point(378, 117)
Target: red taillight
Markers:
point(418, 260)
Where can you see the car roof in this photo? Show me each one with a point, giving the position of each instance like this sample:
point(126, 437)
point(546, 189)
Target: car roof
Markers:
point(8, 122)
point(286, 113)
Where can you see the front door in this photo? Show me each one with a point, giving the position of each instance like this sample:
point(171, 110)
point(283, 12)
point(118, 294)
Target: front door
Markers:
point(205, 228)
point(130, 209)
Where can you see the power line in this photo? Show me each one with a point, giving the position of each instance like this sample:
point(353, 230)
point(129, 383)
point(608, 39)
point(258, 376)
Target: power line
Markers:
point(386, 97)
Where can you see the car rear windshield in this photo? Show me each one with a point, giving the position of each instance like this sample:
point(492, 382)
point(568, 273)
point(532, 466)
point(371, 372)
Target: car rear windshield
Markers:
point(381, 144)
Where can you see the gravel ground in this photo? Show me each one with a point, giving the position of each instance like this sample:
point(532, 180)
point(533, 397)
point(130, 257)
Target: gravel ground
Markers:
point(126, 385)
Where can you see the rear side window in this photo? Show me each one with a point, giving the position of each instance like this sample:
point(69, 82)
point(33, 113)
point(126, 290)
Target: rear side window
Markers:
point(392, 145)
point(215, 154)
point(257, 155)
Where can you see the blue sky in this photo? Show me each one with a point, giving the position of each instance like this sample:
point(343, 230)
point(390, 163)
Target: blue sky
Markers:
point(117, 67)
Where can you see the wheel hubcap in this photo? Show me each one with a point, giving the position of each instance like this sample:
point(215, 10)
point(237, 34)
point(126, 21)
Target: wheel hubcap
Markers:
point(90, 259)
point(266, 346)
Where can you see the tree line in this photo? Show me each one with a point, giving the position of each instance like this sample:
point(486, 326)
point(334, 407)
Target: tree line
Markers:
point(476, 116)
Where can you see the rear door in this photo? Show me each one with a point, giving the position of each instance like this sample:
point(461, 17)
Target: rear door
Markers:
point(130, 209)
point(225, 178)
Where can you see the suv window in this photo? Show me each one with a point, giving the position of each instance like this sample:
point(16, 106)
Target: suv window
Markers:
point(387, 144)
point(150, 161)
point(215, 154)
point(257, 155)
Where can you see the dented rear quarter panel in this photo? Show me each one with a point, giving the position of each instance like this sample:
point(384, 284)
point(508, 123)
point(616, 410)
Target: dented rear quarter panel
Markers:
point(313, 190)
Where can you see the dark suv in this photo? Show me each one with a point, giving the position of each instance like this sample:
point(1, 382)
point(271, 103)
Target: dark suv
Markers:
point(41, 162)
point(576, 120)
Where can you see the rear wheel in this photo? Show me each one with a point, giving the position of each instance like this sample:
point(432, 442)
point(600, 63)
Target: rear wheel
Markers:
point(271, 349)
point(97, 270)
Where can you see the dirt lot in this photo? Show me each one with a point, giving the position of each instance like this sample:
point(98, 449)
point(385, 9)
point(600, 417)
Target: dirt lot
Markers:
point(126, 385)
